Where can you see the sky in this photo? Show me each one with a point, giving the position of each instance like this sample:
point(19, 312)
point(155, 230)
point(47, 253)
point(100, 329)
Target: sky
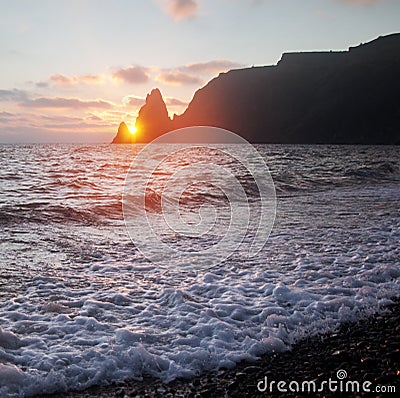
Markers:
point(71, 71)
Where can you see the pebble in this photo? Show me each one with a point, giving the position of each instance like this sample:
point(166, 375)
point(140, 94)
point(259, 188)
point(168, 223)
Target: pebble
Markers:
point(367, 350)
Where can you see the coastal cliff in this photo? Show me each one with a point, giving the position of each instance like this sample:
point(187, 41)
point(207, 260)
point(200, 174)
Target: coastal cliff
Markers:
point(347, 97)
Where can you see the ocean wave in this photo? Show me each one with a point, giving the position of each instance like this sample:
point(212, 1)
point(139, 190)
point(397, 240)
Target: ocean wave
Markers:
point(381, 170)
point(45, 213)
point(83, 306)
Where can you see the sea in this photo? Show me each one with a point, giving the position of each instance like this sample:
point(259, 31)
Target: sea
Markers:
point(82, 305)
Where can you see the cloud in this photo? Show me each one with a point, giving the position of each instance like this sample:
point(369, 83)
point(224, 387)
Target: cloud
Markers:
point(133, 100)
point(182, 9)
point(212, 67)
point(59, 119)
point(42, 84)
point(193, 73)
point(177, 78)
point(84, 133)
point(70, 103)
point(133, 74)
point(6, 117)
point(170, 101)
point(65, 122)
point(91, 79)
point(78, 126)
point(6, 114)
point(13, 95)
point(94, 117)
point(63, 80)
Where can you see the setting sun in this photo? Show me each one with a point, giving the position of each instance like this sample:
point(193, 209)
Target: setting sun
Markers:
point(132, 129)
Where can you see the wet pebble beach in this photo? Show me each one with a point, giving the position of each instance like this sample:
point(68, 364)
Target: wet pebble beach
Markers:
point(368, 351)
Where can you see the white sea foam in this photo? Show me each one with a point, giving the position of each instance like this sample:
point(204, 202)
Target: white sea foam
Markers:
point(99, 312)
point(171, 324)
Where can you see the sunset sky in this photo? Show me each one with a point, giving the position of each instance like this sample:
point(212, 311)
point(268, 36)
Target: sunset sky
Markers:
point(71, 71)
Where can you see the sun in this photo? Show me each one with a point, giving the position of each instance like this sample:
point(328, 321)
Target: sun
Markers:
point(132, 129)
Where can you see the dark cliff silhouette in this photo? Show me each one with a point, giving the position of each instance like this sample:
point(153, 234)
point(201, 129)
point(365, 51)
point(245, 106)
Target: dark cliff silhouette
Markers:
point(153, 119)
point(348, 97)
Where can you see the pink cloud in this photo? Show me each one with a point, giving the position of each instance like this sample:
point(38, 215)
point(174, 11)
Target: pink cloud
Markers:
point(63, 80)
point(133, 74)
point(212, 67)
point(170, 101)
point(177, 78)
point(134, 101)
point(70, 103)
point(6, 114)
point(193, 73)
point(94, 117)
point(79, 126)
point(182, 9)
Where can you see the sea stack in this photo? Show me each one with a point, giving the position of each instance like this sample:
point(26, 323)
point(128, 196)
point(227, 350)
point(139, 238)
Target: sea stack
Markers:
point(153, 119)
point(123, 136)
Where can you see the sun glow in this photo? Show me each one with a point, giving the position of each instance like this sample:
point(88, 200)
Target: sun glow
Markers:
point(132, 129)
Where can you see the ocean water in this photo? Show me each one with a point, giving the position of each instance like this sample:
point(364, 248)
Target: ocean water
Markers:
point(80, 305)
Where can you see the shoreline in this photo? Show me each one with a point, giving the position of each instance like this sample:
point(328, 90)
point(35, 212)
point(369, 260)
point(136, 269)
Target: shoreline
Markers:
point(368, 350)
